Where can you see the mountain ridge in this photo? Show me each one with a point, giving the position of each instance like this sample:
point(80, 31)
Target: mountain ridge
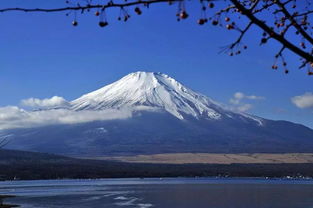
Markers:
point(166, 117)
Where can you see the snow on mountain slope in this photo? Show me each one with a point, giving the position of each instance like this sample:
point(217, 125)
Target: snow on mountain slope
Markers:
point(156, 91)
point(150, 89)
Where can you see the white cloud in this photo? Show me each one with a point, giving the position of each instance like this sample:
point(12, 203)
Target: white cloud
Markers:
point(238, 101)
point(244, 107)
point(239, 96)
point(303, 101)
point(15, 117)
point(52, 102)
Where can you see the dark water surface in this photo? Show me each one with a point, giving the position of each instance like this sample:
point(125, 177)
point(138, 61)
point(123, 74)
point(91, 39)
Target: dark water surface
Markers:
point(163, 193)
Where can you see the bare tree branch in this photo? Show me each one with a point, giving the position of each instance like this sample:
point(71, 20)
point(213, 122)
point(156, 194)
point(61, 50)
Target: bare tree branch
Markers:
point(282, 12)
point(242, 33)
point(79, 7)
point(294, 22)
point(272, 33)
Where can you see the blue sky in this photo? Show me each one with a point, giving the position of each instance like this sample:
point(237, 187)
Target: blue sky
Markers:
point(42, 55)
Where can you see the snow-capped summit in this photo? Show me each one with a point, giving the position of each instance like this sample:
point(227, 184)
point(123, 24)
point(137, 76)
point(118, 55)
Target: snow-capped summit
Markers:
point(151, 90)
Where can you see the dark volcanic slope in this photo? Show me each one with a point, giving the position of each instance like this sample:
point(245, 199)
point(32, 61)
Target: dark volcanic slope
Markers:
point(150, 133)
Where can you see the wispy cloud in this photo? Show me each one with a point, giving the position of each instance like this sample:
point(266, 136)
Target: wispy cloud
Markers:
point(244, 107)
point(15, 117)
point(239, 101)
point(52, 102)
point(238, 97)
point(303, 101)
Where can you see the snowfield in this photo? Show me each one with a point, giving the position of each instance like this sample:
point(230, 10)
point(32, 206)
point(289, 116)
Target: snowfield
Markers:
point(154, 91)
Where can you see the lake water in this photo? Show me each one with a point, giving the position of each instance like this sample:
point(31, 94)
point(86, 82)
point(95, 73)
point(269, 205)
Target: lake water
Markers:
point(163, 193)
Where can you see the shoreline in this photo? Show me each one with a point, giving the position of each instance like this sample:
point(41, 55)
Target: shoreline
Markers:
point(2, 203)
point(97, 193)
point(285, 178)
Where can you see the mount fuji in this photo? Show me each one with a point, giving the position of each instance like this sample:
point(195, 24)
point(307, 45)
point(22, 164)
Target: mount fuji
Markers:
point(166, 117)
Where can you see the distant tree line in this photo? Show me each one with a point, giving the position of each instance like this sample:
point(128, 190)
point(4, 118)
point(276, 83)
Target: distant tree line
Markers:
point(32, 166)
